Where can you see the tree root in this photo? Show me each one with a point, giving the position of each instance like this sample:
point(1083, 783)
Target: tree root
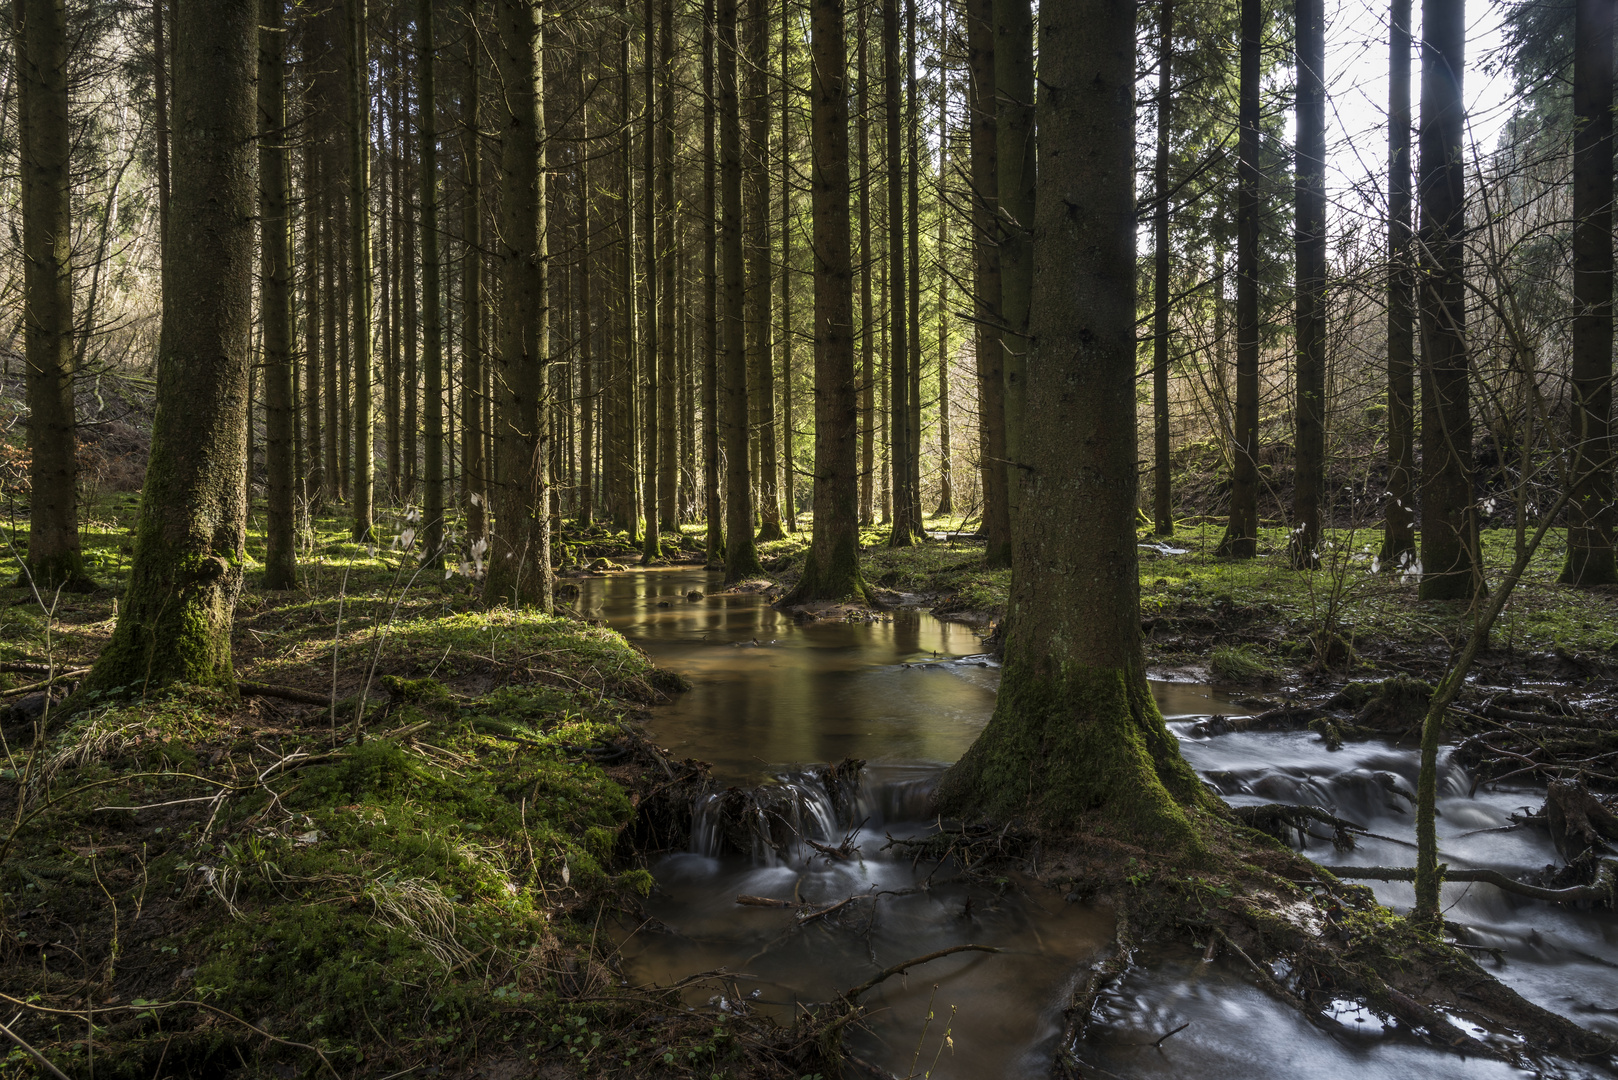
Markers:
point(1603, 892)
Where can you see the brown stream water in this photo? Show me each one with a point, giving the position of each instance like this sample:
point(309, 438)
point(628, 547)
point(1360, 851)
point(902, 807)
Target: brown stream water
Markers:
point(908, 694)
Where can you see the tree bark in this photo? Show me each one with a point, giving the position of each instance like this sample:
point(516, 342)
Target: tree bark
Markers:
point(668, 338)
point(1399, 519)
point(913, 252)
point(519, 569)
point(431, 314)
point(1309, 265)
point(1241, 535)
point(1590, 559)
point(1014, 92)
point(996, 527)
point(788, 426)
point(832, 570)
point(359, 190)
point(314, 489)
point(904, 530)
point(652, 353)
point(474, 464)
point(54, 558)
point(868, 414)
point(741, 551)
point(761, 349)
point(1163, 480)
point(589, 396)
point(946, 487)
point(174, 624)
point(1448, 516)
point(275, 295)
point(1075, 733)
point(715, 554)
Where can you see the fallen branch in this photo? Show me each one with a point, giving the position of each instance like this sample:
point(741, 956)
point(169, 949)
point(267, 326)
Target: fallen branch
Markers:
point(285, 693)
point(18, 691)
point(1602, 891)
point(43, 1061)
point(900, 969)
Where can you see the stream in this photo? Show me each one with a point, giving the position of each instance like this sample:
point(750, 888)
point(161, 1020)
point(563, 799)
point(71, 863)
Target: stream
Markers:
point(773, 702)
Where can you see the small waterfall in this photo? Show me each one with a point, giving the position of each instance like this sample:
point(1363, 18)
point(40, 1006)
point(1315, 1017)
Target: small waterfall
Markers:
point(774, 823)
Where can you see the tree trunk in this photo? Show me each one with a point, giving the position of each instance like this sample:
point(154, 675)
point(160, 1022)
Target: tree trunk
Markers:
point(589, 400)
point(761, 349)
point(831, 570)
point(1075, 733)
point(174, 624)
point(414, 311)
point(668, 453)
point(741, 552)
point(275, 295)
point(1590, 558)
point(432, 319)
point(1448, 517)
point(788, 426)
point(913, 252)
point(651, 354)
point(996, 527)
point(474, 464)
point(904, 529)
point(629, 378)
point(359, 189)
point(314, 491)
point(54, 558)
point(1241, 535)
point(1014, 91)
point(946, 489)
point(1399, 520)
point(1163, 481)
point(160, 88)
point(715, 554)
point(520, 554)
point(868, 414)
point(1309, 266)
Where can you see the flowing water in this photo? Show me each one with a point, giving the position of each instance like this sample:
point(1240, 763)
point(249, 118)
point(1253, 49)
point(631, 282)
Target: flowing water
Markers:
point(774, 701)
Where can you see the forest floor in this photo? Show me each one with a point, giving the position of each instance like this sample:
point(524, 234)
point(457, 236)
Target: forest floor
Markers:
point(418, 882)
point(261, 885)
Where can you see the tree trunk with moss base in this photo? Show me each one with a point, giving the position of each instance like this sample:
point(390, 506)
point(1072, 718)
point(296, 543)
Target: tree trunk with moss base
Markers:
point(1075, 733)
point(54, 558)
point(519, 552)
point(832, 569)
point(175, 621)
point(275, 296)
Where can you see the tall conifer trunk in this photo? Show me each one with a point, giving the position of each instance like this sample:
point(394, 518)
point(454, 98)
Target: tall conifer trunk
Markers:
point(432, 320)
point(831, 570)
point(275, 294)
point(710, 304)
point(519, 569)
point(175, 622)
point(868, 414)
point(741, 552)
point(904, 529)
point(474, 462)
point(760, 329)
point(668, 265)
point(1162, 477)
point(996, 527)
point(1241, 534)
point(1309, 263)
point(314, 490)
point(1399, 517)
point(54, 558)
point(1014, 129)
point(359, 190)
point(1448, 515)
point(1075, 733)
point(650, 355)
point(1590, 530)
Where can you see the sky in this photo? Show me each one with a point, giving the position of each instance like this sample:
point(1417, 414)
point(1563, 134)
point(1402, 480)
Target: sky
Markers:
point(1357, 92)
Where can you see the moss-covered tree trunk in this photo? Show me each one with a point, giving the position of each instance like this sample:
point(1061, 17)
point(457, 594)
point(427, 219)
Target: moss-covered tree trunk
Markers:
point(432, 321)
point(1075, 733)
point(53, 556)
point(1241, 534)
point(174, 624)
point(1590, 558)
point(1399, 517)
point(275, 295)
point(519, 569)
point(996, 525)
point(741, 551)
point(1448, 514)
point(832, 569)
point(359, 197)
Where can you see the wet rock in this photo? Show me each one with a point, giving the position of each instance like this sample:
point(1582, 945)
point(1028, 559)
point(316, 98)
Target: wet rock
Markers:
point(1399, 705)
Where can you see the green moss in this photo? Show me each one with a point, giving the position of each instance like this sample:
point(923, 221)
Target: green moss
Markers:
point(1239, 663)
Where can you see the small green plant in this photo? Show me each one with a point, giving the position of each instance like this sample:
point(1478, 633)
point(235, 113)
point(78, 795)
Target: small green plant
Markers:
point(1239, 663)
